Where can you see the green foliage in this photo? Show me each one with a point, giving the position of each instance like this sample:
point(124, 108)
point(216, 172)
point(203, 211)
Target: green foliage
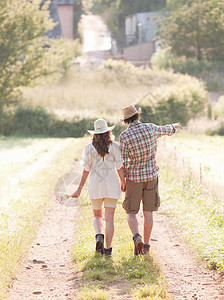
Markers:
point(212, 72)
point(122, 8)
point(219, 108)
point(25, 53)
point(195, 29)
point(217, 131)
point(30, 121)
point(197, 215)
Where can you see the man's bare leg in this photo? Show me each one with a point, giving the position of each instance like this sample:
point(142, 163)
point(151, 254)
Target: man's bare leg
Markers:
point(133, 223)
point(148, 224)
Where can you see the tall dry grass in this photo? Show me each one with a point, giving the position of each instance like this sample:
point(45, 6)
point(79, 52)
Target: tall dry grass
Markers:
point(102, 91)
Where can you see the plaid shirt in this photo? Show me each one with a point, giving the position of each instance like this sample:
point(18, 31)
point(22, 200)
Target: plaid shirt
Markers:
point(138, 147)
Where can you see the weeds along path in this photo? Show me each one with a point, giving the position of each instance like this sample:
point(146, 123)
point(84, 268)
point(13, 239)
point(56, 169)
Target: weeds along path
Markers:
point(186, 277)
point(47, 271)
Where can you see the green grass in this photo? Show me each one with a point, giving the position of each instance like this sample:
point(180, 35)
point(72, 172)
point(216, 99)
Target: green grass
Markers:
point(28, 199)
point(198, 154)
point(197, 210)
point(122, 274)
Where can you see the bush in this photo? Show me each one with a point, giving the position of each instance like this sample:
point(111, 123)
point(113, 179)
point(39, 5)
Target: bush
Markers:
point(219, 108)
point(29, 121)
point(217, 131)
point(212, 72)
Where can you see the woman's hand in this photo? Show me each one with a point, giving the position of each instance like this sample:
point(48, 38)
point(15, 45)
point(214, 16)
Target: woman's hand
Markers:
point(76, 194)
point(123, 186)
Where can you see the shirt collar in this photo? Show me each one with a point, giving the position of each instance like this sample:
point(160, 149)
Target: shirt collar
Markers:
point(134, 123)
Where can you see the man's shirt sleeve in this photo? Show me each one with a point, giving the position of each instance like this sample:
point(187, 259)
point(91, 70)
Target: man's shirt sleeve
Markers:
point(163, 130)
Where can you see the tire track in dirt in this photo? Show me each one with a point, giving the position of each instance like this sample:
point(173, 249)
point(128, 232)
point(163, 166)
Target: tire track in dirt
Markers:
point(187, 278)
point(48, 272)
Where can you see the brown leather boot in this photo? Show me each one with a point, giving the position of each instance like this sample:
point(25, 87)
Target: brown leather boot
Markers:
point(108, 251)
point(138, 244)
point(146, 249)
point(100, 243)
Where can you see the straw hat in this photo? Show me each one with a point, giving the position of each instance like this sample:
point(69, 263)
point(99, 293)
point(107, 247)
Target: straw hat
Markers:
point(100, 126)
point(129, 111)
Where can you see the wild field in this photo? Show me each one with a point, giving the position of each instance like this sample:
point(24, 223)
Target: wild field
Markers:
point(192, 189)
point(32, 166)
point(103, 91)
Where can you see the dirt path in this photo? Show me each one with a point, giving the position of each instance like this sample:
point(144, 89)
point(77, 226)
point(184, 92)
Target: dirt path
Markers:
point(47, 271)
point(186, 277)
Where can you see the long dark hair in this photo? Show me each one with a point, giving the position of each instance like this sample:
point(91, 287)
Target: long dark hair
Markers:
point(102, 142)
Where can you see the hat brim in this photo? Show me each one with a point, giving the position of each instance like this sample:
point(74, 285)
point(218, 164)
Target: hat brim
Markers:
point(101, 130)
point(139, 111)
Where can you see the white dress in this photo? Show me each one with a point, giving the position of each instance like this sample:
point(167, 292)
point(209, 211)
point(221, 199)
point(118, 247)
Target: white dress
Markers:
point(103, 180)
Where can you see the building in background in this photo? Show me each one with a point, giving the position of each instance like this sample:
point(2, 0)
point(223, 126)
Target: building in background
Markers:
point(66, 16)
point(141, 27)
point(140, 36)
point(62, 12)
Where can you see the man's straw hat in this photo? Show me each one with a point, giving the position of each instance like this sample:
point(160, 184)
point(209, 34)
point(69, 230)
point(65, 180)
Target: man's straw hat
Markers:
point(100, 126)
point(129, 111)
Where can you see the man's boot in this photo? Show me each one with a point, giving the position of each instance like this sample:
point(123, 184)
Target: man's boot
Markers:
point(146, 249)
point(108, 251)
point(138, 244)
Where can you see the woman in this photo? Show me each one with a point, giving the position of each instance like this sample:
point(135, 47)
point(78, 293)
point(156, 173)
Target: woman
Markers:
point(102, 159)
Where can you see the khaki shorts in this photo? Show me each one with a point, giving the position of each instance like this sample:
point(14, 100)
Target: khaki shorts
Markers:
point(97, 204)
point(146, 191)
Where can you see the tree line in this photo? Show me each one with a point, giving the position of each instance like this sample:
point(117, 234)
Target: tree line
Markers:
point(192, 28)
point(26, 53)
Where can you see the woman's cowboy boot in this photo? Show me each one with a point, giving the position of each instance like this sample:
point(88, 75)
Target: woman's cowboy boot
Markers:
point(138, 244)
point(100, 243)
point(108, 251)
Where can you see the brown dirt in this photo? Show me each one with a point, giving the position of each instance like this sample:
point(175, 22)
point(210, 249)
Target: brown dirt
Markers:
point(187, 278)
point(48, 272)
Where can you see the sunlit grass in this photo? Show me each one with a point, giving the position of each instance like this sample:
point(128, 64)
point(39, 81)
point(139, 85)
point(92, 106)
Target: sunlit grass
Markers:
point(198, 154)
point(87, 94)
point(121, 274)
point(29, 198)
point(196, 208)
point(103, 91)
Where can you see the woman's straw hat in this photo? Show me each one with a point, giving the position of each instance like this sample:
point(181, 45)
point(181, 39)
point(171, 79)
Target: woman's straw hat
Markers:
point(100, 126)
point(129, 111)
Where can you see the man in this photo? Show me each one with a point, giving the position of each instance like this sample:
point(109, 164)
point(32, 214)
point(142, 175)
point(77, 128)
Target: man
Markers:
point(138, 147)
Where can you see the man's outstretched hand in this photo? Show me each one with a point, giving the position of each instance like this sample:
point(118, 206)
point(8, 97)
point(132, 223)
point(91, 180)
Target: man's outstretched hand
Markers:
point(177, 126)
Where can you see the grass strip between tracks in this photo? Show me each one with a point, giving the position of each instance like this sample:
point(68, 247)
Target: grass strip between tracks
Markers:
point(120, 275)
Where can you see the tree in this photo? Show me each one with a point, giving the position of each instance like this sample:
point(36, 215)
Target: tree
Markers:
point(25, 52)
point(122, 8)
point(195, 29)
